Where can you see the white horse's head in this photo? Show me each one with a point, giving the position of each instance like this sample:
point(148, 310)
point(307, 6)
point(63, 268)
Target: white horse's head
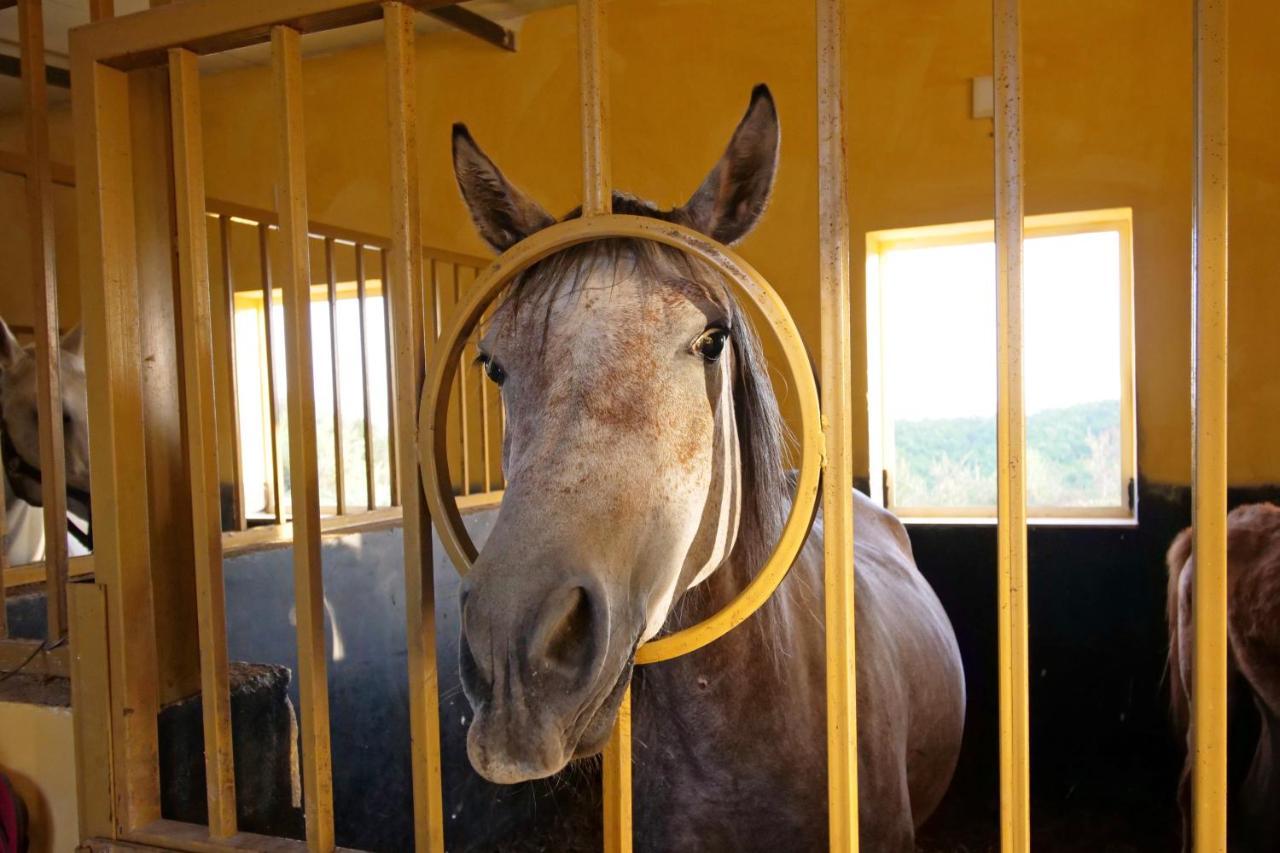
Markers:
point(641, 438)
point(20, 426)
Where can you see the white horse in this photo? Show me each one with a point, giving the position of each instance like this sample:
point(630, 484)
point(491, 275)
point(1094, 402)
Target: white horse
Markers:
point(24, 540)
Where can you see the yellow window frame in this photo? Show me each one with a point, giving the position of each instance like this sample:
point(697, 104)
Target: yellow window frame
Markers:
point(252, 300)
point(880, 432)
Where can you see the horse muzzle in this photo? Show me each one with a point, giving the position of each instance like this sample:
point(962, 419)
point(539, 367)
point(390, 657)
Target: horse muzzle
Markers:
point(545, 685)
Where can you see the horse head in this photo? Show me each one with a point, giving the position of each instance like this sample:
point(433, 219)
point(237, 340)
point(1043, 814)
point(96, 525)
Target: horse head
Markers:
point(20, 426)
point(642, 440)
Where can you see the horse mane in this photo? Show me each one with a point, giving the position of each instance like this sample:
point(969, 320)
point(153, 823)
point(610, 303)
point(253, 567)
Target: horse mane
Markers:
point(1176, 559)
point(763, 437)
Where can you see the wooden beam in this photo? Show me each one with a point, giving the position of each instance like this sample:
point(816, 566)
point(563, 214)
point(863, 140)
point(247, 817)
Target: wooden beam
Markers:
point(213, 26)
point(335, 381)
point(304, 484)
point(370, 482)
point(44, 284)
point(91, 701)
point(33, 658)
point(489, 32)
point(13, 163)
point(34, 573)
point(404, 289)
point(202, 438)
point(100, 9)
point(173, 587)
point(117, 445)
point(11, 66)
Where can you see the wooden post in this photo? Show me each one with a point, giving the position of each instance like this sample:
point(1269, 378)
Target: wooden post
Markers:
point(45, 298)
point(304, 486)
point(117, 449)
point(202, 439)
point(402, 285)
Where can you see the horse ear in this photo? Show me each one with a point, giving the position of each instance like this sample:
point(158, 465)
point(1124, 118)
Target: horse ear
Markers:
point(503, 215)
point(10, 349)
point(73, 341)
point(735, 193)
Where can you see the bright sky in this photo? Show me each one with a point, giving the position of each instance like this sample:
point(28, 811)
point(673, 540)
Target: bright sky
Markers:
point(251, 377)
point(939, 326)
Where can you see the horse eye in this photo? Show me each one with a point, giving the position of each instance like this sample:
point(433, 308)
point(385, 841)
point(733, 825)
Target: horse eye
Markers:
point(710, 344)
point(492, 369)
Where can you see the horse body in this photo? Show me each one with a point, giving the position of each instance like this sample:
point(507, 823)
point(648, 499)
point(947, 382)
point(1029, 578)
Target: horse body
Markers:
point(644, 456)
point(730, 741)
point(1253, 654)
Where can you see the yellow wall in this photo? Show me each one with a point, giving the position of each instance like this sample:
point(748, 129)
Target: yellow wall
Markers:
point(37, 753)
point(1108, 124)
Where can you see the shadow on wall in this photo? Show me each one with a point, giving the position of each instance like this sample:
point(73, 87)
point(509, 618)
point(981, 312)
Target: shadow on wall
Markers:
point(369, 692)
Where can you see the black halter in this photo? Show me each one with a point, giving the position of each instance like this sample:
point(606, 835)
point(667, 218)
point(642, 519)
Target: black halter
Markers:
point(15, 464)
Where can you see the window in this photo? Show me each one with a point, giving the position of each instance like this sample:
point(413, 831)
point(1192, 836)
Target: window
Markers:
point(254, 398)
point(931, 354)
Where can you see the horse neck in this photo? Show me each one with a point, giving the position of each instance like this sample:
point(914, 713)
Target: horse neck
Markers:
point(781, 627)
point(766, 669)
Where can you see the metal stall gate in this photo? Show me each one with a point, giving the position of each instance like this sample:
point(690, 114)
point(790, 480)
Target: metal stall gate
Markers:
point(48, 656)
point(115, 651)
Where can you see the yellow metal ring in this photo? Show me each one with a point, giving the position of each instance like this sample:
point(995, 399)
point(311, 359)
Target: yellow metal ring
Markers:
point(433, 413)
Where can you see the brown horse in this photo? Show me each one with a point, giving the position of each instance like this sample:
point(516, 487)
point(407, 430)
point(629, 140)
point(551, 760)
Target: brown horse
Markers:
point(646, 484)
point(1253, 632)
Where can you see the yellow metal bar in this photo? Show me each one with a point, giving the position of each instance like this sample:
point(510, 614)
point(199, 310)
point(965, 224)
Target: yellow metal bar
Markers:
point(597, 180)
point(434, 272)
point(45, 299)
point(404, 288)
point(393, 456)
point(339, 473)
point(618, 831)
point(464, 429)
point(362, 296)
point(291, 196)
point(1011, 503)
point(231, 383)
point(1209, 430)
point(597, 198)
point(837, 414)
point(485, 433)
point(117, 452)
point(273, 406)
point(202, 438)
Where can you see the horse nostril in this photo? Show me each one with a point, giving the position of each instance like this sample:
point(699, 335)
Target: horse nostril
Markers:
point(563, 638)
